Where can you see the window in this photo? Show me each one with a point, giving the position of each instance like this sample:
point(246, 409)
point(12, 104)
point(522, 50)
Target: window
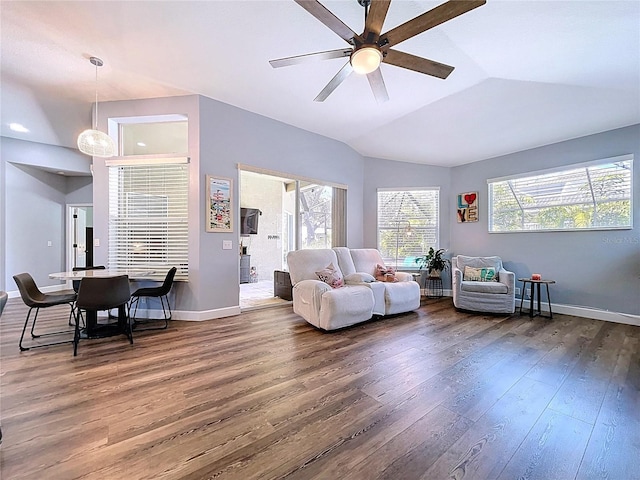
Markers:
point(156, 135)
point(408, 224)
point(148, 215)
point(591, 196)
point(315, 215)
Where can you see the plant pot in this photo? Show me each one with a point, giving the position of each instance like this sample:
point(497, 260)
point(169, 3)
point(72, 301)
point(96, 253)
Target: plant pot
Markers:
point(435, 273)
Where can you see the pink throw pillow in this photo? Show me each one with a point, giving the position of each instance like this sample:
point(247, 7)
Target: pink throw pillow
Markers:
point(331, 276)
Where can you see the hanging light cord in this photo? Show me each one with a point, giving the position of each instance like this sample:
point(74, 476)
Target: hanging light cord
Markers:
point(95, 118)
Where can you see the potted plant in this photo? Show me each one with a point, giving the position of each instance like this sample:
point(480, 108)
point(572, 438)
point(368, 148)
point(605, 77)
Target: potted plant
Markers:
point(434, 262)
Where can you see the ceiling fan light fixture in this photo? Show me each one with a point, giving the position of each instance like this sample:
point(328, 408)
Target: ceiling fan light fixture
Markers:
point(366, 60)
point(92, 141)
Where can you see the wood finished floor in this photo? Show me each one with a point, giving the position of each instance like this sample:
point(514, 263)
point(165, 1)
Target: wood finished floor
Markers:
point(433, 394)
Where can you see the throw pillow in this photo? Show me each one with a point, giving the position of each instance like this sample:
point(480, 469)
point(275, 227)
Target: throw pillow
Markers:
point(487, 274)
point(385, 274)
point(359, 277)
point(331, 276)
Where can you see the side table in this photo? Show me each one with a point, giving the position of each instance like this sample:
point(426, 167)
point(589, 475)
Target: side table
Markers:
point(535, 291)
point(433, 287)
point(282, 285)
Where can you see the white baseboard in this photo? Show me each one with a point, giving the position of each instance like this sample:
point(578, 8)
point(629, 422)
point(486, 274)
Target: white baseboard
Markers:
point(586, 312)
point(188, 316)
point(199, 316)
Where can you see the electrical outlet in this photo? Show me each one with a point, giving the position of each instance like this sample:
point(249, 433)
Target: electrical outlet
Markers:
point(517, 291)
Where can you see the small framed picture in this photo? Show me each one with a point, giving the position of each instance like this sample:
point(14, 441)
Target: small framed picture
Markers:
point(467, 210)
point(219, 207)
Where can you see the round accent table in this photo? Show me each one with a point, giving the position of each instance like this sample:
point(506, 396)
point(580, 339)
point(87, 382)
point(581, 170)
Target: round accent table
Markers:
point(535, 292)
point(433, 287)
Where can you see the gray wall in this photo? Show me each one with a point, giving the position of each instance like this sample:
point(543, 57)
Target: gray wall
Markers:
point(390, 174)
point(596, 269)
point(34, 208)
point(599, 270)
point(231, 136)
point(221, 137)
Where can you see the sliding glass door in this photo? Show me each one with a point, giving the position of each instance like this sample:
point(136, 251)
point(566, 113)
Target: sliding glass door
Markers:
point(315, 215)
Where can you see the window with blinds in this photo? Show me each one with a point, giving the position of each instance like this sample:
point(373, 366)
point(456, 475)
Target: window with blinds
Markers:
point(592, 196)
point(408, 224)
point(148, 216)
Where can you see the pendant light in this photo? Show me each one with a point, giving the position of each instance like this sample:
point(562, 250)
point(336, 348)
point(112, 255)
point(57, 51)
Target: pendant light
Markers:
point(94, 142)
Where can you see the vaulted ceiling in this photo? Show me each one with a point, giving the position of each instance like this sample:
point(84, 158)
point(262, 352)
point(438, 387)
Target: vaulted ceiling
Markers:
point(527, 72)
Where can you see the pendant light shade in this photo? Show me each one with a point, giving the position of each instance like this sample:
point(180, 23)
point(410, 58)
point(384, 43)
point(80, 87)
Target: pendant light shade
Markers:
point(94, 142)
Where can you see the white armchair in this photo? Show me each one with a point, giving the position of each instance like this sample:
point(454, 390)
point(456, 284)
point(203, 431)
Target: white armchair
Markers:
point(496, 296)
point(318, 303)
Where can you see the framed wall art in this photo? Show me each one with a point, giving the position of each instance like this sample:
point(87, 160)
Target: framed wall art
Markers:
point(219, 207)
point(467, 207)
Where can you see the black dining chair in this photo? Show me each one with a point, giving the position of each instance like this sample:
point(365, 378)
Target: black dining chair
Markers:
point(104, 293)
point(4, 296)
point(161, 292)
point(34, 298)
point(76, 283)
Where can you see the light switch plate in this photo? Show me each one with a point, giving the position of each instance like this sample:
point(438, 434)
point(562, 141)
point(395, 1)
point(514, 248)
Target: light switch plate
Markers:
point(96, 242)
point(227, 245)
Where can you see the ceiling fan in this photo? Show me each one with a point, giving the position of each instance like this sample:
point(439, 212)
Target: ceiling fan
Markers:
point(369, 49)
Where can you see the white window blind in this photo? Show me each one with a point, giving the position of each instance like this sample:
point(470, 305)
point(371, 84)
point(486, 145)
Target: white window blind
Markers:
point(408, 224)
point(148, 217)
point(592, 196)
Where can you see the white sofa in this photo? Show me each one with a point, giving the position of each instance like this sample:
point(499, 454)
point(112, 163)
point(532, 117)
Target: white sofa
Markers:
point(482, 296)
point(359, 300)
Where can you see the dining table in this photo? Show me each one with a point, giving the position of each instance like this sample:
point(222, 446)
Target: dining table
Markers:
point(92, 328)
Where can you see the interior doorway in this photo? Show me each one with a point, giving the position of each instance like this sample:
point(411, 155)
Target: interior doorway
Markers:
point(279, 214)
point(267, 211)
point(79, 236)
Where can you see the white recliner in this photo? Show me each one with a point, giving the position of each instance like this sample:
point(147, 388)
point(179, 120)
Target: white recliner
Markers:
point(319, 304)
point(496, 296)
point(390, 298)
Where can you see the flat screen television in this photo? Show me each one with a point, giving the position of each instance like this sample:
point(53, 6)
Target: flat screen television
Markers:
point(249, 221)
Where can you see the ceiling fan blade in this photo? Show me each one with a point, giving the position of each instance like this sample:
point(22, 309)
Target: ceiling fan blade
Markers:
point(310, 57)
point(430, 19)
point(319, 11)
point(375, 20)
point(335, 81)
point(377, 86)
point(417, 64)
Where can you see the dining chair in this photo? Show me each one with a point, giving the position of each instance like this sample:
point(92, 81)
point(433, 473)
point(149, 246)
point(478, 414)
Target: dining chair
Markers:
point(76, 283)
point(4, 296)
point(35, 299)
point(160, 292)
point(104, 293)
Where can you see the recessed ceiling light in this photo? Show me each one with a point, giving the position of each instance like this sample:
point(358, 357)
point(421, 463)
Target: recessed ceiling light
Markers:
point(17, 127)
point(60, 172)
point(141, 144)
